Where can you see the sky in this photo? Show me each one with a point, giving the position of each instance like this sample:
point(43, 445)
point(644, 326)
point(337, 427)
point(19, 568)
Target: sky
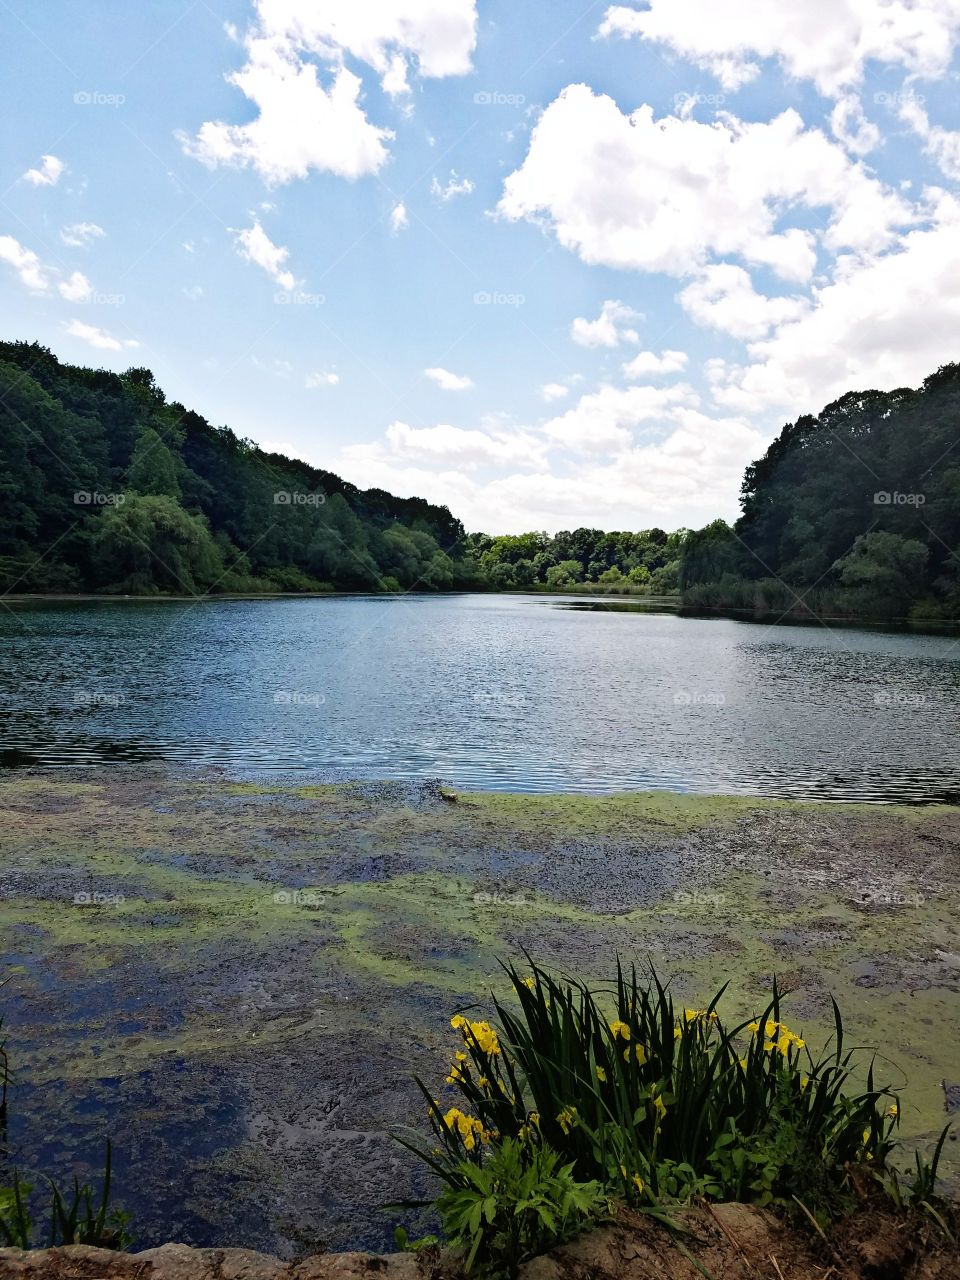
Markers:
point(552, 264)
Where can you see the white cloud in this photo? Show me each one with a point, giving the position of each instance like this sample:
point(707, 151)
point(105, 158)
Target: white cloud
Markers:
point(448, 381)
point(255, 245)
point(941, 145)
point(453, 188)
point(399, 219)
point(300, 125)
point(647, 363)
point(551, 391)
point(76, 289)
point(603, 421)
point(881, 323)
point(79, 234)
point(303, 124)
point(723, 298)
point(689, 477)
point(609, 328)
point(826, 41)
point(851, 127)
point(449, 446)
point(98, 338)
point(632, 192)
point(25, 262)
point(47, 173)
point(325, 379)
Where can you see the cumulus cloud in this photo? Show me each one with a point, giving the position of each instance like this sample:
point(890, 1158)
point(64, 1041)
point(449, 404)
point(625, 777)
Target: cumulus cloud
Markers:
point(688, 477)
point(448, 381)
point(449, 446)
point(47, 173)
point(852, 128)
point(552, 391)
point(647, 363)
point(324, 379)
point(25, 262)
point(941, 145)
point(452, 188)
point(303, 124)
point(610, 327)
point(723, 298)
point(604, 420)
point(881, 324)
point(633, 192)
point(80, 234)
point(826, 41)
point(75, 289)
point(255, 245)
point(98, 338)
point(399, 220)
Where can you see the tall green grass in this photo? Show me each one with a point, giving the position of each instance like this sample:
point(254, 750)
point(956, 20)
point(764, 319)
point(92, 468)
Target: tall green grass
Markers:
point(661, 1103)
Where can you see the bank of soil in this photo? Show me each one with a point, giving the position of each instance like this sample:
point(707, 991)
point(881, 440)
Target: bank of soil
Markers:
point(236, 979)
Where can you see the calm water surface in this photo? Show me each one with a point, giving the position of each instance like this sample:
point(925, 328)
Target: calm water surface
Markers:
point(505, 692)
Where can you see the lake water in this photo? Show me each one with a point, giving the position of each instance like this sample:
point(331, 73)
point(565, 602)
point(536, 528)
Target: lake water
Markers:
point(487, 692)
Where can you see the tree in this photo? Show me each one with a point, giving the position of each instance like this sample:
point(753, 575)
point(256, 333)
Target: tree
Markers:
point(152, 467)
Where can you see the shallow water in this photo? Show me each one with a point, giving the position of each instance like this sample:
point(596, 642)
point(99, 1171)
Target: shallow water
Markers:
point(488, 692)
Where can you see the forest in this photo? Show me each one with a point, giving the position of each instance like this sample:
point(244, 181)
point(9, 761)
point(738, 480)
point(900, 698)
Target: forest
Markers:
point(854, 512)
point(108, 487)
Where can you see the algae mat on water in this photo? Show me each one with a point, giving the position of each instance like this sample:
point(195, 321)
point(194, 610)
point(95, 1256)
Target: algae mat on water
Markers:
point(237, 979)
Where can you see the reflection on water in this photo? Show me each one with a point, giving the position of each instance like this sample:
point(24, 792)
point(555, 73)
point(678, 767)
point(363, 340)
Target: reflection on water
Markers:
point(506, 692)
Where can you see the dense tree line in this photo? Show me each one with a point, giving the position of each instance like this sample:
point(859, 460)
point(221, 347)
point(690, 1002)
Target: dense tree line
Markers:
point(105, 486)
point(645, 562)
point(854, 512)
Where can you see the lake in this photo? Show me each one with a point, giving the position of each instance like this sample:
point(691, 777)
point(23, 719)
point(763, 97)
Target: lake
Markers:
point(516, 693)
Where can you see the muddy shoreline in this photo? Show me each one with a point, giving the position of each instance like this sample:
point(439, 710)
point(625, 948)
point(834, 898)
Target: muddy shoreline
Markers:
point(235, 979)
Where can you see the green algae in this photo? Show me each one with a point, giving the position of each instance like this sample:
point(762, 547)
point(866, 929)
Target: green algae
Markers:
point(393, 910)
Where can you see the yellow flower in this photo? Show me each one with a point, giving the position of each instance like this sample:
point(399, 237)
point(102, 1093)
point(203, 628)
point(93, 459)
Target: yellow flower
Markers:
point(637, 1181)
point(893, 1110)
point(460, 1056)
point(639, 1051)
point(483, 1082)
point(567, 1119)
point(480, 1033)
point(623, 1170)
point(529, 982)
point(753, 1026)
point(534, 1118)
point(804, 1081)
point(621, 1029)
point(468, 1127)
point(743, 1063)
point(601, 1075)
point(677, 1033)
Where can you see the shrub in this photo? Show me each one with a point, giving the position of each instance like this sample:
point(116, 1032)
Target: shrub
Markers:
point(659, 1104)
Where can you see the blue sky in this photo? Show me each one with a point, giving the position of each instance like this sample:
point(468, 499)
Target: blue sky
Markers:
point(552, 264)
